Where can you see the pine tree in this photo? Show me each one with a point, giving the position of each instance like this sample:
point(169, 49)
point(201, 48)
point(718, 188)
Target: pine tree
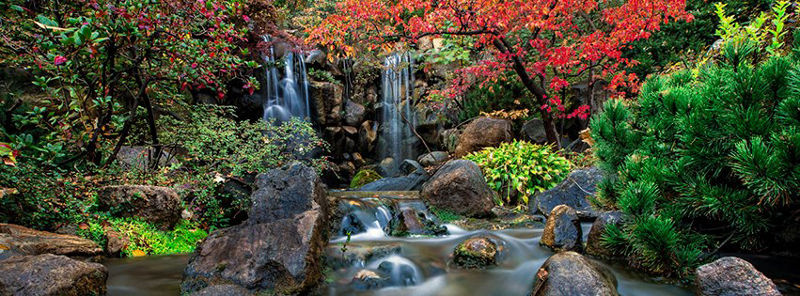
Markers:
point(703, 161)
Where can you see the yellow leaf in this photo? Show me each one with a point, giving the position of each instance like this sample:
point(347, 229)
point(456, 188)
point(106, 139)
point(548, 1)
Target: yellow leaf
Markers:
point(138, 253)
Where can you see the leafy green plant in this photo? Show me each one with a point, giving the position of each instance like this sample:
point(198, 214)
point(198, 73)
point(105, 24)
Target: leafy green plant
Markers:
point(445, 216)
point(323, 76)
point(364, 177)
point(704, 161)
point(520, 169)
point(146, 238)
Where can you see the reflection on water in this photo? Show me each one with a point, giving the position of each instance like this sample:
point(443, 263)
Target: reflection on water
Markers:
point(156, 275)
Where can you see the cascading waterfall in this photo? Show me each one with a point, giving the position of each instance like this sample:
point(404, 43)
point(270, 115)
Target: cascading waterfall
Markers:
point(287, 97)
point(397, 139)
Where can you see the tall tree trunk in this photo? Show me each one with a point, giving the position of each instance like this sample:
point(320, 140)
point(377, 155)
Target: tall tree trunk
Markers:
point(538, 92)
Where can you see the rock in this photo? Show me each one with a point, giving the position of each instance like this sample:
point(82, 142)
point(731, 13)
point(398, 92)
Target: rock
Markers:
point(138, 157)
point(572, 192)
point(459, 187)
point(26, 241)
point(285, 194)
point(367, 135)
point(562, 231)
point(155, 204)
point(569, 274)
point(353, 113)
point(409, 167)
point(50, 274)
point(406, 183)
point(327, 100)
point(289, 207)
point(387, 166)
point(223, 290)
point(731, 276)
point(401, 271)
point(476, 253)
point(594, 243)
point(363, 177)
point(450, 139)
point(366, 279)
point(413, 218)
point(116, 242)
point(434, 158)
point(534, 131)
point(483, 132)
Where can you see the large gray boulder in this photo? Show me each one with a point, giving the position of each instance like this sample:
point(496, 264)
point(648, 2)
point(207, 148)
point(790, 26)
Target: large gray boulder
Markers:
point(433, 159)
point(570, 274)
point(534, 131)
point(155, 204)
point(572, 192)
point(280, 245)
point(594, 243)
point(26, 241)
point(562, 231)
point(483, 132)
point(731, 276)
point(459, 187)
point(48, 274)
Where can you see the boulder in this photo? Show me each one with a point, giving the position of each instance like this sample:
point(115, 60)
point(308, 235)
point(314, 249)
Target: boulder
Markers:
point(409, 167)
point(412, 218)
point(594, 243)
point(406, 183)
point(155, 204)
point(277, 248)
point(366, 279)
point(367, 136)
point(483, 132)
point(50, 274)
point(476, 253)
point(569, 274)
point(223, 290)
point(116, 242)
point(562, 231)
point(459, 187)
point(731, 276)
point(26, 241)
point(326, 100)
point(572, 192)
point(534, 131)
point(353, 113)
point(433, 159)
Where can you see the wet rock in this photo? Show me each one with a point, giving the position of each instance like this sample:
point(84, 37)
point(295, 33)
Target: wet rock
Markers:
point(277, 248)
point(357, 254)
point(731, 276)
point(413, 218)
point(327, 100)
point(534, 131)
point(594, 243)
point(116, 243)
point(459, 187)
point(366, 279)
point(223, 290)
point(433, 159)
point(387, 166)
point(26, 241)
point(570, 274)
point(155, 204)
point(367, 136)
point(483, 132)
point(562, 231)
point(572, 192)
point(410, 182)
point(476, 253)
point(409, 167)
point(50, 274)
point(401, 272)
point(353, 113)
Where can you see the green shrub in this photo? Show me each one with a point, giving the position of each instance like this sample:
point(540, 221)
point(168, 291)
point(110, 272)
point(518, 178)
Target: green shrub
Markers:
point(145, 238)
point(520, 169)
point(703, 162)
point(364, 177)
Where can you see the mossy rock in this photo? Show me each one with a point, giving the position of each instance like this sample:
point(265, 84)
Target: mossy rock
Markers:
point(476, 253)
point(364, 177)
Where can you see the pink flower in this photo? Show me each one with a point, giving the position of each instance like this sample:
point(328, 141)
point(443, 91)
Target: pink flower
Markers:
point(246, 18)
point(58, 60)
point(194, 65)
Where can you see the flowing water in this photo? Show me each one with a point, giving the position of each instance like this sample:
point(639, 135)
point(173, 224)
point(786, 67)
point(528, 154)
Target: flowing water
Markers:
point(286, 95)
point(397, 140)
point(415, 266)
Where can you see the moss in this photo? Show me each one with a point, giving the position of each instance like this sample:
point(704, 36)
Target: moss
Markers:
point(445, 216)
point(364, 177)
point(475, 253)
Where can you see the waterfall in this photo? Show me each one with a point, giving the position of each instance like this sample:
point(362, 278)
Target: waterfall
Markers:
point(285, 97)
point(397, 138)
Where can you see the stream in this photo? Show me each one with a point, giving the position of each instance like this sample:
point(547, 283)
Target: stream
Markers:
point(419, 265)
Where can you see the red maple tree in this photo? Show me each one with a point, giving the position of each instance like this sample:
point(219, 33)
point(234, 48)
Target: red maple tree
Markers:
point(546, 43)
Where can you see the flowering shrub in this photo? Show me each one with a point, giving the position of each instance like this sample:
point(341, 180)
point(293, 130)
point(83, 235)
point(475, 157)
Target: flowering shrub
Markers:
point(519, 169)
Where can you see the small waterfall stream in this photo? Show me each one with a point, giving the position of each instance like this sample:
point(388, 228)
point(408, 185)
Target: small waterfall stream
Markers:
point(285, 97)
point(397, 140)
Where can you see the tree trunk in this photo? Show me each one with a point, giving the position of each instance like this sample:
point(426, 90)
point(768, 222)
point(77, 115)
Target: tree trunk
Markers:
point(538, 92)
